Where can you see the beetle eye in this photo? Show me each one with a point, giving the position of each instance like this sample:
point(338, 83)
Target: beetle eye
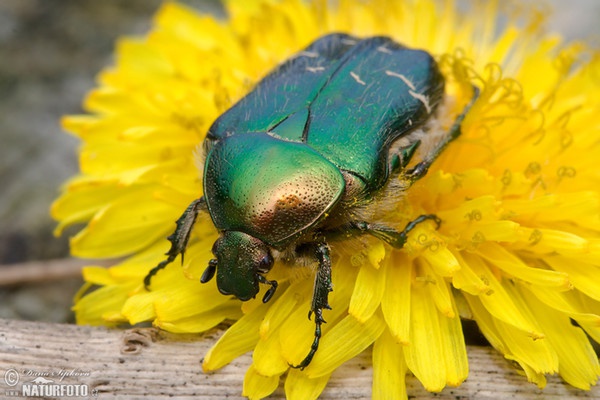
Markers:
point(265, 264)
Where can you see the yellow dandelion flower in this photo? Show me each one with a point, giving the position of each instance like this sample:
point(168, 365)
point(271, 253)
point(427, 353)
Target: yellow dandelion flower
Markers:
point(518, 250)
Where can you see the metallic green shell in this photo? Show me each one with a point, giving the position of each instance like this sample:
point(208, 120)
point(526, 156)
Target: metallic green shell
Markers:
point(347, 98)
point(275, 160)
point(268, 188)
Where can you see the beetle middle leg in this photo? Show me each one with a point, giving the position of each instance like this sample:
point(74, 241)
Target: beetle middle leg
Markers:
point(321, 291)
point(389, 235)
point(398, 238)
point(179, 238)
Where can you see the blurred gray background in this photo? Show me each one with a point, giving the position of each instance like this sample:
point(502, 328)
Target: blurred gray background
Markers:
point(50, 53)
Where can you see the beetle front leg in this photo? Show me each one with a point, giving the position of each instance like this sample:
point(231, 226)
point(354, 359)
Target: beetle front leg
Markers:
point(179, 238)
point(323, 286)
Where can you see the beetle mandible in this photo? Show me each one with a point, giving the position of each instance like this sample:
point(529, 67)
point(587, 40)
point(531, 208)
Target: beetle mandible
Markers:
point(315, 140)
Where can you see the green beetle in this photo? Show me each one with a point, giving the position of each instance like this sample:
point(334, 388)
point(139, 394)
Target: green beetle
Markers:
point(288, 166)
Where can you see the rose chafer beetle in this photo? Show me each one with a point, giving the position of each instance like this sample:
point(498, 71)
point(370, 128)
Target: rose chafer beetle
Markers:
point(289, 167)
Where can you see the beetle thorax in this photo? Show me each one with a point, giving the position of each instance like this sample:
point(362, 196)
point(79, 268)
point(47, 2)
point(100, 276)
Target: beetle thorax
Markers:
point(271, 189)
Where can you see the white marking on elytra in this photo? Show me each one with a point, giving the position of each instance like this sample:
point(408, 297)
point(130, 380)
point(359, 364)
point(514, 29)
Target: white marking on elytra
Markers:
point(311, 54)
point(357, 78)
point(276, 136)
point(349, 41)
point(384, 49)
point(410, 122)
point(423, 99)
point(404, 79)
point(315, 69)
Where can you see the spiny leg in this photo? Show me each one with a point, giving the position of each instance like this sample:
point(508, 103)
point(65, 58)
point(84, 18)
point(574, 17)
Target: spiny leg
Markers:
point(321, 291)
point(179, 238)
point(389, 235)
point(392, 236)
point(419, 170)
point(399, 160)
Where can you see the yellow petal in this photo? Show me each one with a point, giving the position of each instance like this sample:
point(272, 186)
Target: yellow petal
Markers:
point(204, 32)
point(354, 336)
point(298, 386)
point(499, 257)
point(202, 322)
point(240, 338)
point(191, 297)
point(485, 323)
point(436, 353)
point(367, 294)
point(577, 362)
point(98, 275)
point(257, 386)
point(140, 307)
point(96, 307)
point(579, 206)
point(565, 302)
point(267, 358)
point(138, 59)
point(583, 275)
point(494, 231)
point(389, 369)
point(534, 376)
point(468, 212)
point(376, 253)
point(592, 307)
point(441, 260)
point(467, 280)
point(456, 361)
point(536, 351)
point(127, 224)
point(297, 331)
point(437, 287)
point(547, 241)
point(284, 305)
point(80, 202)
point(497, 300)
point(396, 300)
point(492, 330)
point(111, 101)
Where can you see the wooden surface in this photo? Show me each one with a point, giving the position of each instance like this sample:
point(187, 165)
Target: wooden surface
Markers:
point(44, 271)
point(150, 363)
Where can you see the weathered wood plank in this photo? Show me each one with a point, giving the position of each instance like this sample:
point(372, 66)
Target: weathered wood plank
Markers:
point(154, 364)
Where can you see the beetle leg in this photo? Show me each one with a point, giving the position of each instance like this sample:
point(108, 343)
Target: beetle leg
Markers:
point(179, 238)
point(271, 291)
point(400, 159)
point(389, 235)
point(419, 170)
point(321, 291)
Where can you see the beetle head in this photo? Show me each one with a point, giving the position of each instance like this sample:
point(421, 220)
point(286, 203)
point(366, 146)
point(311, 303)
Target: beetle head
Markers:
point(240, 261)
